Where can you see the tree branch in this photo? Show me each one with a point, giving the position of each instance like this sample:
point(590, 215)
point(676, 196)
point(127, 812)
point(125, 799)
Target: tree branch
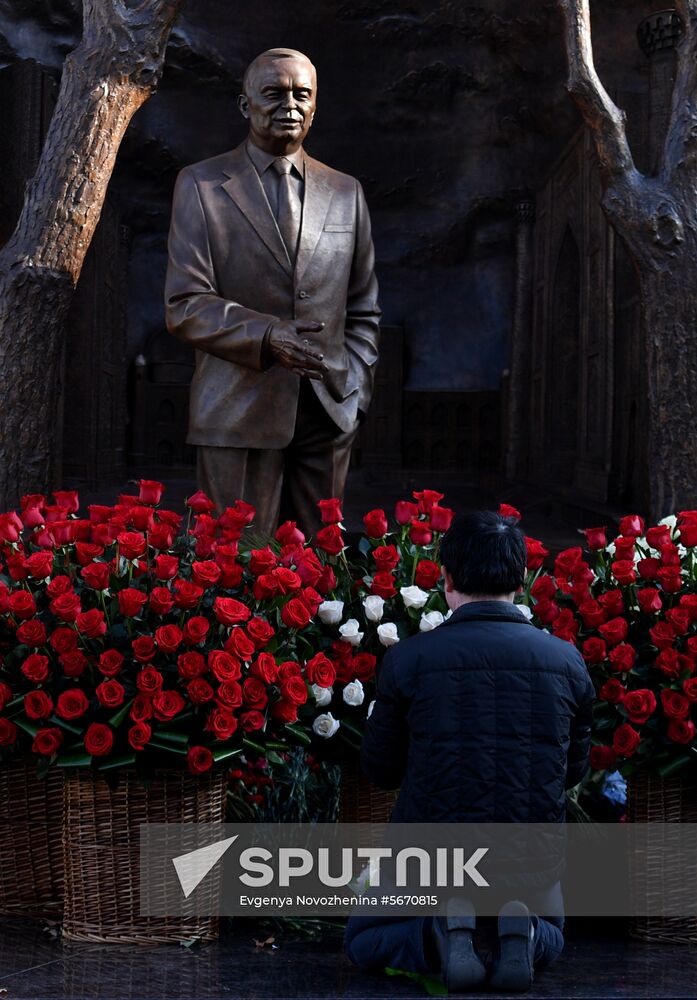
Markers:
point(681, 138)
point(600, 113)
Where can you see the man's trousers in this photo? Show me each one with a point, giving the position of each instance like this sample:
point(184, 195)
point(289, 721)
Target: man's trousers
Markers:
point(283, 484)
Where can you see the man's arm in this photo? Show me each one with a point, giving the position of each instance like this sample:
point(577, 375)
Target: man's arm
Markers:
point(580, 734)
point(362, 329)
point(386, 738)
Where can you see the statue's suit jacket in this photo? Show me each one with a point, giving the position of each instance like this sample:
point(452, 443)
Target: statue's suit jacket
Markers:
point(229, 278)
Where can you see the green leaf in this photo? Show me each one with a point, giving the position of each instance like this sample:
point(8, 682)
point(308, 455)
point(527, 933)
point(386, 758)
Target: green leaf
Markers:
point(298, 733)
point(118, 717)
point(224, 754)
point(169, 747)
point(675, 765)
point(74, 760)
point(27, 727)
point(253, 746)
point(181, 738)
point(75, 730)
point(124, 760)
point(352, 727)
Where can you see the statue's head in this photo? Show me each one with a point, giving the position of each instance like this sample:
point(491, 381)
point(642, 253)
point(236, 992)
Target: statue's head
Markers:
point(279, 94)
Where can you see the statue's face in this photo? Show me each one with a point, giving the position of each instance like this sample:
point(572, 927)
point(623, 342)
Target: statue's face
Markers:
point(280, 103)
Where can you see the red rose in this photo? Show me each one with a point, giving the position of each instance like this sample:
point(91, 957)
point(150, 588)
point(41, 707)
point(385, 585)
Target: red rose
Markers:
point(288, 581)
point(32, 633)
point(375, 523)
point(139, 735)
point(289, 669)
point(681, 730)
point(224, 666)
point(594, 650)
point(91, 623)
point(670, 556)
point(612, 691)
point(21, 604)
point(200, 503)
point(199, 691)
point(675, 704)
point(161, 601)
point(427, 499)
point(405, 511)
point(32, 516)
point(168, 638)
point(199, 759)
point(648, 568)
point(668, 662)
point(688, 535)
point(602, 758)
point(229, 695)
point(625, 740)
point(649, 600)
point(47, 741)
point(427, 574)
point(254, 692)
point(150, 491)
point(330, 511)
point(327, 581)
point(132, 544)
point(252, 720)
point(110, 694)
point(544, 588)
point(66, 607)
point(5, 694)
point(536, 553)
point(196, 630)
point(294, 689)
point(670, 580)
point(290, 534)
point(262, 561)
point(38, 705)
point(596, 537)
point(311, 599)
point(662, 635)
point(284, 711)
point(72, 704)
point(187, 594)
point(191, 665)
point(420, 532)
point(141, 709)
point(612, 601)
point(206, 574)
point(295, 614)
point(640, 705)
point(167, 704)
point(623, 571)
point(260, 632)
point(265, 668)
point(73, 663)
point(615, 631)
point(566, 561)
point(441, 517)
point(234, 519)
point(10, 527)
point(565, 625)
point(658, 536)
point(240, 645)
point(383, 585)
point(363, 666)
point(39, 565)
point(149, 680)
point(144, 648)
point(131, 602)
point(622, 658)
point(679, 619)
point(230, 612)
point(505, 510)
point(8, 733)
point(35, 668)
point(99, 739)
point(221, 723)
point(166, 567)
point(386, 557)
point(689, 687)
point(96, 575)
point(265, 587)
point(330, 539)
point(110, 662)
point(161, 537)
point(592, 613)
point(632, 524)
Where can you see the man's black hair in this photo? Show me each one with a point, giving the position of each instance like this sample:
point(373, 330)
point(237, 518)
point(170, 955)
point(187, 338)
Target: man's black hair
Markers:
point(484, 553)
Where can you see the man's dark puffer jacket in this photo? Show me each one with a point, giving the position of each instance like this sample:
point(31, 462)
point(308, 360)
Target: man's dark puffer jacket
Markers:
point(486, 719)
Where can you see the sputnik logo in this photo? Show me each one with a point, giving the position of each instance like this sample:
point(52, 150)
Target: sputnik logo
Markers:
point(192, 867)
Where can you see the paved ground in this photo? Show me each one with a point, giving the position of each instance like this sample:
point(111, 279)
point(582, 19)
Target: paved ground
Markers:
point(599, 961)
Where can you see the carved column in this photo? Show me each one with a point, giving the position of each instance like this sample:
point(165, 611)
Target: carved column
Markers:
point(518, 410)
point(658, 36)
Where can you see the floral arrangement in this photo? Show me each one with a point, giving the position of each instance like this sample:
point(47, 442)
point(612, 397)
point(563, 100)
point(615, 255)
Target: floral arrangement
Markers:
point(630, 605)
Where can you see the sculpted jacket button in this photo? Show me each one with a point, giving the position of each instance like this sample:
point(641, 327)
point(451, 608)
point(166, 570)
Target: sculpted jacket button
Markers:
point(302, 294)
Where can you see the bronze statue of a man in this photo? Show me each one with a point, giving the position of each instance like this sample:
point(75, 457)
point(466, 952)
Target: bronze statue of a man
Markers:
point(271, 279)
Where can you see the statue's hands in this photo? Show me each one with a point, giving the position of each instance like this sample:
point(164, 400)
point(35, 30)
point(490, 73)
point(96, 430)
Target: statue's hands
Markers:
point(290, 347)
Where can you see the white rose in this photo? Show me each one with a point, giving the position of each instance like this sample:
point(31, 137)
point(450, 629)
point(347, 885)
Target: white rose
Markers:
point(430, 620)
point(524, 609)
point(330, 612)
point(413, 597)
point(387, 634)
point(374, 607)
point(322, 695)
point(671, 520)
point(350, 632)
point(371, 706)
point(353, 693)
point(325, 725)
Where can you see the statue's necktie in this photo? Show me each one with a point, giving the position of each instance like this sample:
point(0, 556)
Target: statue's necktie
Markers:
point(289, 208)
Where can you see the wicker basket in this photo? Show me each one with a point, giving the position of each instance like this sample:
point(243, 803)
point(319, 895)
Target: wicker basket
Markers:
point(101, 849)
point(31, 873)
point(652, 799)
point(362, 802)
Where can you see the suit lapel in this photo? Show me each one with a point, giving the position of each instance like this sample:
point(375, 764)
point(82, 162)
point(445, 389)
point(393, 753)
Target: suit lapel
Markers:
point(245, 189)
point(318, 194)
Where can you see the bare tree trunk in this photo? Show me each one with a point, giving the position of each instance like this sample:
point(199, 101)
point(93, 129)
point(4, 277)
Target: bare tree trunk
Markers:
point(105, 80)
point(657, 218)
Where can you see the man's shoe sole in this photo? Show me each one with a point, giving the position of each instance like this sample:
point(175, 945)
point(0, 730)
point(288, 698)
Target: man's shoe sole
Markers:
point(464, 969)
point(514, 969)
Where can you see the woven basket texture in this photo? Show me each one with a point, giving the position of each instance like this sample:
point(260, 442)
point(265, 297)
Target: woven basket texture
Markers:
point(362, 802)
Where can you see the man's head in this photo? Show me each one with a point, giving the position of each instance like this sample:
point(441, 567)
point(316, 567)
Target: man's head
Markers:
point(279, 95)
point(483, 556)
